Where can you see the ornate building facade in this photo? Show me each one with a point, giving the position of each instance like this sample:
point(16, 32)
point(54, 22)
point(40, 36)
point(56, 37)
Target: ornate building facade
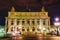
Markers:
point(22, 22)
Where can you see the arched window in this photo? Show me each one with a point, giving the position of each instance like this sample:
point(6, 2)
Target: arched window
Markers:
point(18, 22)
point(33, 29)
point(12, 22)
point(23, 22)
point(18, 29)
point(38, 29)
point(7, 30)
point(12, 29)
point(23, 29)
point(33, 22)
point(44, 22)
point(28, 29)
point(38, 22)
point(28, 22)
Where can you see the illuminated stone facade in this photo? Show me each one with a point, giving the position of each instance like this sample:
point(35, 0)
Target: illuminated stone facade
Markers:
point(22, 22)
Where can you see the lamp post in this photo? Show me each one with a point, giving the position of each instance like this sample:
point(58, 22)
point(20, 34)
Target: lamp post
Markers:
point(57, 24)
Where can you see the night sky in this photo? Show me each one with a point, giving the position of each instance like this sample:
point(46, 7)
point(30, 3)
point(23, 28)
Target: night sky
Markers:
point(52, 6)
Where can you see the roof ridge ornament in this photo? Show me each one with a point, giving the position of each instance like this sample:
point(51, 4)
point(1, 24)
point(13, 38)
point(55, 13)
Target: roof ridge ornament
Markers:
point(12, 9)
point(43, 9)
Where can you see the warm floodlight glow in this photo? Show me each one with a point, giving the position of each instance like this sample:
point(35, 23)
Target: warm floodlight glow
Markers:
point(40, 27)
point(44, 29)
point(20, 27)
point(13, 33)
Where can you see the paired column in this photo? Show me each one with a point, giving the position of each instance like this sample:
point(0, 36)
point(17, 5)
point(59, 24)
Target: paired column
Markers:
point(9, 25)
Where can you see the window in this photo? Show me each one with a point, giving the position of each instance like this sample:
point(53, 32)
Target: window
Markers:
point(12, 22)
point(28, 29)
point(33, 22)
point(38, 29)
point(44, 22)
point(23, 29)
point(28, 22)
point(7, 30)
point(18, 22)
point(23, 22)
point(18, 29)
point(38, 22)
point(12, 29)
point(33, 29)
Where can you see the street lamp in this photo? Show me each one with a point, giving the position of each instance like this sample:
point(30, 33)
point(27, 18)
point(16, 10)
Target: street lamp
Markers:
point(57, 24)
point(56, 19)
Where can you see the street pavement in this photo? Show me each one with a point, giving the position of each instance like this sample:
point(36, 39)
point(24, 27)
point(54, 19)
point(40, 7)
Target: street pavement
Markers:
point(40, 37)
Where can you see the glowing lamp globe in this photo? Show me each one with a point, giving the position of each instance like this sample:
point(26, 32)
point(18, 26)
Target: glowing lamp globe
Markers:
point(57, 19)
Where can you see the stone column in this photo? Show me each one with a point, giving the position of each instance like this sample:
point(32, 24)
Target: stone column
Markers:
point(30, 22)
point(30, 28)
point(49, 22)
point(25, 29)
point(35, 22)
point(9, 22)
point(9, 25)
point(9, 29)
point(25, 22)
point(15, 22)
point(20, 22)
point(41, 22)
point(6, 25)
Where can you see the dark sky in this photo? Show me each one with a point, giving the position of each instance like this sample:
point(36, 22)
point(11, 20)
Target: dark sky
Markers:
point(52, 6)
